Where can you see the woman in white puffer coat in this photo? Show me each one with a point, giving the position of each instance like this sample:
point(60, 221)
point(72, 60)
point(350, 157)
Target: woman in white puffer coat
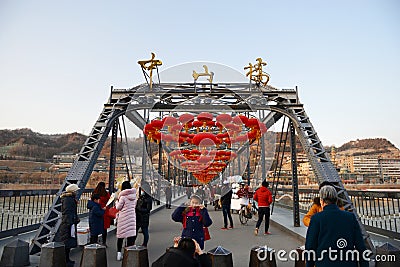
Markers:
point(126, 218)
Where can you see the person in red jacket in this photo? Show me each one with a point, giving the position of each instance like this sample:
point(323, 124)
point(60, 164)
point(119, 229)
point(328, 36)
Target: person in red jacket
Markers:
point(264, 198)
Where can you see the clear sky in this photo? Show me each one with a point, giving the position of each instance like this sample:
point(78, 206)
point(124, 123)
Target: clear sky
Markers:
point(58, 59)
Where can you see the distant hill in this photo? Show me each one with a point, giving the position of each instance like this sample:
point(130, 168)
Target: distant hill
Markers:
point(26, 144)
point(369, 146)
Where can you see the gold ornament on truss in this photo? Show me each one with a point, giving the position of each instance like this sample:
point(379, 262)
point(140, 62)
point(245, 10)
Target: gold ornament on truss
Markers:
point(150, 65)
point(256, 73)
point(205, 73)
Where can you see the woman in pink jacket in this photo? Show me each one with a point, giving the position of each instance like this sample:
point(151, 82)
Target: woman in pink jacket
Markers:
point(126, 218)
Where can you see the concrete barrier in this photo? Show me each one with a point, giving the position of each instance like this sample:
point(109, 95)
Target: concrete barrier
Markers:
point(262, 256)
point(15, 253)
point(94, 255)
point(220, 257)
point(135, 256)
point(389, 255)
point(52, 255)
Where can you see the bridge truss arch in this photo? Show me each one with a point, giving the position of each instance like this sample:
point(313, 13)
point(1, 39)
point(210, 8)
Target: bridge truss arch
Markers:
point(197, 97)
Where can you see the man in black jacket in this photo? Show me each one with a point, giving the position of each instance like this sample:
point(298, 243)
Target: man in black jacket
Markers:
point(226, 196)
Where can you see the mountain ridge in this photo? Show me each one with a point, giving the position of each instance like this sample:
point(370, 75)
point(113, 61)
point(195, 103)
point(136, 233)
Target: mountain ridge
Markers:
point(24, 143)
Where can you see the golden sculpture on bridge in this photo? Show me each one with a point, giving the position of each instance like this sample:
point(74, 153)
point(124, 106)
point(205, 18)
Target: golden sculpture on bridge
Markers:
point(150, 65)
point(205, 73)
point(256, 72)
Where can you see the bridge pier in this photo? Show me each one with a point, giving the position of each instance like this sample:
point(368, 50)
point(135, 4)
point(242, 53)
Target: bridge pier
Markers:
point(220, 257)
point(15, 253)
point(53, 254)
point(262, 256)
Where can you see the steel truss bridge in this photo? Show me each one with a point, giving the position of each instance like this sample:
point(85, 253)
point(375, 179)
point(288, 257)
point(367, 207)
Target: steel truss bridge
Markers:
point(271, 104)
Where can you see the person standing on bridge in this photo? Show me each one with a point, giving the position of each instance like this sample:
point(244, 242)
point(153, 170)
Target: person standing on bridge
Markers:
point(194, 217)
point(334, 236)
point(168, 196)
point(264, 198)
point(126, 220)
point(143, 207)
point(69, 221)
point(104, 197)
point(96, 220)
point(226, 199)
point(316, 206)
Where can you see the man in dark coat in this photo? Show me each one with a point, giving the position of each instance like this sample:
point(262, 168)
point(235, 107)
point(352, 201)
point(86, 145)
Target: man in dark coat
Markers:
point(226, 198)
point(334, 237)
point(68, 228)
point(143, 207)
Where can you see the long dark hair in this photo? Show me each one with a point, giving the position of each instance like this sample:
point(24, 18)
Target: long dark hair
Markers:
point(100, 189)
point(126, 185)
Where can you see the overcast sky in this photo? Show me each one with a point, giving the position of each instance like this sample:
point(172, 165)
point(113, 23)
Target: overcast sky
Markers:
point(58, 59)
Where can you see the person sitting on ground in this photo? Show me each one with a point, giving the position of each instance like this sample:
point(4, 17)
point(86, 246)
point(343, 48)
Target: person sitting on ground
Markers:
point(316, 206)
point(96, 221)
point(194, 217)
point(186, 252)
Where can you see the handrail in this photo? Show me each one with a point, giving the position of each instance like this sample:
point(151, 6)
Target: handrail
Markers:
point(379, 211)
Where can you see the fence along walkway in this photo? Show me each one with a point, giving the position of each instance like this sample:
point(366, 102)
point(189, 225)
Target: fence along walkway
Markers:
point(23, 210)
point(378, 211)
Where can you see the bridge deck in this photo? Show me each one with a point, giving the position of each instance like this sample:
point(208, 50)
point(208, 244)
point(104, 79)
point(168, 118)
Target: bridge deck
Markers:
point(238, 240)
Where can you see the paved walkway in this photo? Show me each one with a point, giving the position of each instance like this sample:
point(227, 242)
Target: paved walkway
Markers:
point(239, 240)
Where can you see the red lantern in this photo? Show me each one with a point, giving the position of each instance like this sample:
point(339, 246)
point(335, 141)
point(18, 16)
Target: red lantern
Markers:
point(157, 124)
point(224, 118)
point(205, 139)
point(185, 118)
point(204, 117)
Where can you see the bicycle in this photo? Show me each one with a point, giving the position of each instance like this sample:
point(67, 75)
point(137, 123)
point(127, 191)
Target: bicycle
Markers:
point(253, 214)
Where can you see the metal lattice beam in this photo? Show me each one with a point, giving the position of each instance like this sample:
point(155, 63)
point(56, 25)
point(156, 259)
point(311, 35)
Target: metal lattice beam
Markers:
point(189, 97)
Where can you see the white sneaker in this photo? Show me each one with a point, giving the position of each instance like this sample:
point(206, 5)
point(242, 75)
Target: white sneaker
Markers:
point(119, 256)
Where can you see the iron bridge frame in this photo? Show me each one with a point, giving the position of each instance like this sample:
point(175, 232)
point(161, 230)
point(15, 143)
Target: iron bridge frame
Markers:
point(196, 97)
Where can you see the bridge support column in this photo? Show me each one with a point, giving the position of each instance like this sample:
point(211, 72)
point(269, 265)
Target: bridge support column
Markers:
point(295, 181)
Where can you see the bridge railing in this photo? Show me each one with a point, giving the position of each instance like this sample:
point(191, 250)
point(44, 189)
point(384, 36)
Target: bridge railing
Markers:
point(378, 211)
point(23, 210)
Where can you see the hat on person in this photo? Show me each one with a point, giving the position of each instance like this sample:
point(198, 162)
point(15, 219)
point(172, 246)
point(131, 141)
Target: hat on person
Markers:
point(72, 188)
point(196, 196)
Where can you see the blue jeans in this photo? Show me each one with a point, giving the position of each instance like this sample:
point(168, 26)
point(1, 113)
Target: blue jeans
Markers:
point(226, 211)
point(145, 231)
